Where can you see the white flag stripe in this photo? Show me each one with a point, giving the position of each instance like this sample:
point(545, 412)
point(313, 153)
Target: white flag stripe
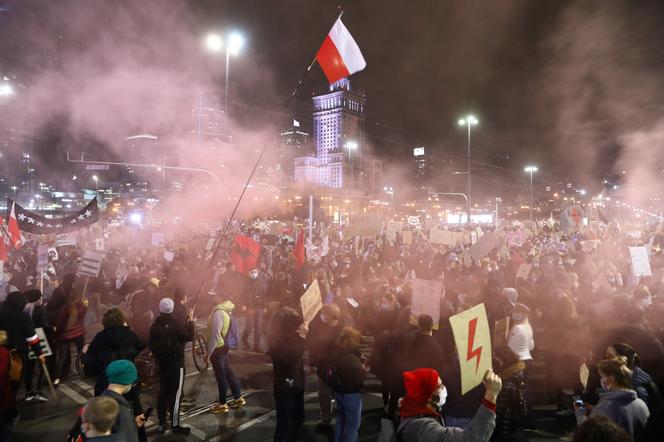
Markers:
point(348, 49)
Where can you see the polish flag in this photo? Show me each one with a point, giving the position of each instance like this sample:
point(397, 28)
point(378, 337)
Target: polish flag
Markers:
point(340, 56)
point(13, 230)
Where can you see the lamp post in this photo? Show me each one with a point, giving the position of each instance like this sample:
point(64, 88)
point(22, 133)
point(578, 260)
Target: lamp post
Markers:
point(350, 145)
point(234, 44)
point(469, 121)
point(531, 170)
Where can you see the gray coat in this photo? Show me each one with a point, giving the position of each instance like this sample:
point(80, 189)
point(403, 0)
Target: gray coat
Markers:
point(126, 422)
point(621, 407)
point(428, 429)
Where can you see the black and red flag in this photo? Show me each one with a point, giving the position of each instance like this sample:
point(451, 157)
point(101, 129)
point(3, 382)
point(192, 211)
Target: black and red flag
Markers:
point(244, 254)
point(298, 250)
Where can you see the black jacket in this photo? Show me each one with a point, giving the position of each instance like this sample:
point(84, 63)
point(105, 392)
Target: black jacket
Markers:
point(321, 341)
point(425, 352)
point(167, 340)
point(287, 363)
point(18, 325)
point(348, 366)
point(125, 423)
point(110, 344)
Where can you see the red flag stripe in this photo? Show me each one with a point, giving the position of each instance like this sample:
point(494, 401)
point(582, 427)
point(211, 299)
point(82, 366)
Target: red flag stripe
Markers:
point(330, 60)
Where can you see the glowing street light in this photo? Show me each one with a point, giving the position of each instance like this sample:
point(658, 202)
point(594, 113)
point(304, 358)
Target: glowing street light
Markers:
point(234, 44)
point(531, 170)
point(6, 89)
point(469, 121)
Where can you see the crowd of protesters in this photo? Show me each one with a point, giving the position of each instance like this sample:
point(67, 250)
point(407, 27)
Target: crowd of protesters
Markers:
point(578, 307)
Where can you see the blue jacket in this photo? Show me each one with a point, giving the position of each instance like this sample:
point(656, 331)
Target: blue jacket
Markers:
point(623, 408)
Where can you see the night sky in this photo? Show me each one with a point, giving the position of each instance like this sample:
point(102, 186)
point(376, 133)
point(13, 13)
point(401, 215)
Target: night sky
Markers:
point(563, 84)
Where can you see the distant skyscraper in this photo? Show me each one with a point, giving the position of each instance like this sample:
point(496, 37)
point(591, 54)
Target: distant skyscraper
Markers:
point(338, 133)
point(208, 123)
point(293, 143)
point(16, 167)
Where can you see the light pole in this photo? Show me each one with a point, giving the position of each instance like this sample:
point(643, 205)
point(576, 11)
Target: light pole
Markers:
point(234, 44)
point(350, 145)
point(498, 200)
point(469, 121)
point(531, 170)
point(96, 180)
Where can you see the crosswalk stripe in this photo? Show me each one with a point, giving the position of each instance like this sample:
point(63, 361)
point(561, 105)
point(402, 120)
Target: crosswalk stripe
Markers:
point(80, 400)
point(197, 433)
point(85, 386)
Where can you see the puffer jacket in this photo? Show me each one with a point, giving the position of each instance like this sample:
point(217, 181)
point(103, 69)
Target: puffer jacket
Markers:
point(431, 429)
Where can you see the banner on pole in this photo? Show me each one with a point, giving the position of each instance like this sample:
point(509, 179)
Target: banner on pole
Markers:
point(473, 343)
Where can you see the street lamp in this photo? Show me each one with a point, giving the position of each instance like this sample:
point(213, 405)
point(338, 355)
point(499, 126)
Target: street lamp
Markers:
point(6, 89)
point(469, 121)
point(531, 170)
point(234, 44)
point(96, 179)
point(350, 145)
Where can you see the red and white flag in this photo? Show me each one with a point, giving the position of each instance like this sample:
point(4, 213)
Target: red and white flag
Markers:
point(339, 56)
point(13, 230)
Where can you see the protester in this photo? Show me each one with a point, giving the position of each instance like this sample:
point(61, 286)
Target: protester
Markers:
point(7, 398)
point(220, 327)
point(37, 313)
point(69, 329)
point(167, 340)
point(346, 377)
point(421, 420)
point(121, 375)
point(321, 340)
point(99, 415)
point(619, 402)
point(255, 295)
point(641, 382)
point(286, 349)
point(512, 407)
point(600, 429)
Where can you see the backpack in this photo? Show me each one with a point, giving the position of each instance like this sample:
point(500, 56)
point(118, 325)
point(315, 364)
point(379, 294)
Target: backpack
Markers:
point(232, 336)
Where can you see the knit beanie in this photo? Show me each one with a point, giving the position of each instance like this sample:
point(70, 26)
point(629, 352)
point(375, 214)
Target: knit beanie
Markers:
point(121, 372)
point(166, 305)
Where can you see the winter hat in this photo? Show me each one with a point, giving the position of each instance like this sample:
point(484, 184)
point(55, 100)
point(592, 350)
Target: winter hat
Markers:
point(32, 295)
point(166, 305)
point(121, 372)
point(511, 294)
point(420, 384)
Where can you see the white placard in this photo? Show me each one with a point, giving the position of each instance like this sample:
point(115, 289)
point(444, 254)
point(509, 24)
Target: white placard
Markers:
point(640, 261)
point(426, 300)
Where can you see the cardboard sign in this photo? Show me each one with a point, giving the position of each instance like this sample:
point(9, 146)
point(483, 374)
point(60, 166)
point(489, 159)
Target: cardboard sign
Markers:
point(67, 239)
point(445, 237)
point(311, 303)
point(426, 300)
point(524, 271)
point(407, 237)
point(473, 343)
point(158, 239)
point(99, 244)
point(42, 258)
point(584, 374)
point(168, 256)
point(365, 225)
point(501, 331)
point(484, 246)
point(43, 343)
point(640, 261)
point(91, 264)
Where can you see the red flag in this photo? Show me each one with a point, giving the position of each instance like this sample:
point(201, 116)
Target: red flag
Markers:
point(339, 56)
point(244, 254)
point(298, 250)
point(13, 230)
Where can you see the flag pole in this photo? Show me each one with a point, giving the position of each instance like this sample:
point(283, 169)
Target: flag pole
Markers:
point(253, 172)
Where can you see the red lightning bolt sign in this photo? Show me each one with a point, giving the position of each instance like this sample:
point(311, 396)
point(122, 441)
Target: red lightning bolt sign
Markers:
point(472, 327)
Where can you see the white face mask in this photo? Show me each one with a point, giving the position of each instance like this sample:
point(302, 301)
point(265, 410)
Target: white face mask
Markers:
point(442, 397)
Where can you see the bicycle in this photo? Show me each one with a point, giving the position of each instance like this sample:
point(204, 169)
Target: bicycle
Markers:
point(199, 352)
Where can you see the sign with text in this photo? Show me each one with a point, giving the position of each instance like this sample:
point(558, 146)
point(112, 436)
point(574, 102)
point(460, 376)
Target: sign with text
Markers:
point(640, 261)
point(473, 343)
point(91, 263)
point(484, 246)
point(66, 239)
point(426, 300)
point(365, 225)
point(445, 237)
point(42, 258)
point(311, 303)
point(43, 343)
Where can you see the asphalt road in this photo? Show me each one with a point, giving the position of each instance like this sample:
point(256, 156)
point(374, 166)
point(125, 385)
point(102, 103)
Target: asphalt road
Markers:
point(255, 422)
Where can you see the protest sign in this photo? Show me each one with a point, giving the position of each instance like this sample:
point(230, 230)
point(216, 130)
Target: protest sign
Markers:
point(43, 343)
point(365, 225)
point(158, 239)
point(407, 237)
point(311, 303)
point(53, 253)
point(473, 343)
point(501, 331)
point(444, 237)
point(391, 235)
point(42, 258)
point(396, 226)
point(524, 271)
point(584, 374)
point(99, 244)
point(414, 221)
point(426, 300)
point(210, 244)
point(168, 256)
point(91, 264)
point(483, 246)
point(640, 261)
point(66, 239)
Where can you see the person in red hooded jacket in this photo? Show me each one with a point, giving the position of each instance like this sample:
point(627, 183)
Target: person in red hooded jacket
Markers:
point(421, 420)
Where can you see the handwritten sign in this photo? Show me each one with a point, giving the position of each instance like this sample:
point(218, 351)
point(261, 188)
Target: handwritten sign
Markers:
point(473, 343)
point(311, 303)
point(640, 261)
point(426, 300)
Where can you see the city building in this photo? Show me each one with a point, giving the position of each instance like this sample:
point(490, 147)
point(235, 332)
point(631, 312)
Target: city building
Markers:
point(292, 143)
point(340, 161)
point(209, 123)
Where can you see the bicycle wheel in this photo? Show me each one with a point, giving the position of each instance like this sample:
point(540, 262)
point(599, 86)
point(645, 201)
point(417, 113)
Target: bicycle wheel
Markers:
point(199, 353)
point(78, 365)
